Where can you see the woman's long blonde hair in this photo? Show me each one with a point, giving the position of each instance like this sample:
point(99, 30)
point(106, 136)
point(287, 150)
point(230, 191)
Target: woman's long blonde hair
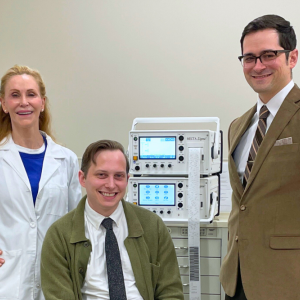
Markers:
point(45, 117)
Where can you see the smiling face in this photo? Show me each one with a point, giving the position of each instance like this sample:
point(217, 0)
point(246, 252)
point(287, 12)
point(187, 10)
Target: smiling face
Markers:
point(268, 80)
point(106, 181)
point(22, 101)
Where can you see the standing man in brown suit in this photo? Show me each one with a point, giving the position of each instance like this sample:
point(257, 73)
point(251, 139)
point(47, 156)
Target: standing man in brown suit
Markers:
point(263, 260)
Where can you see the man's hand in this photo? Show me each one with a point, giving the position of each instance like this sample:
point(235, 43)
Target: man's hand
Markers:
point(2, 261)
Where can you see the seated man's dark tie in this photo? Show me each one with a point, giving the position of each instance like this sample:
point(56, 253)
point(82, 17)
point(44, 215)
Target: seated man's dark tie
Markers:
point(113, 262)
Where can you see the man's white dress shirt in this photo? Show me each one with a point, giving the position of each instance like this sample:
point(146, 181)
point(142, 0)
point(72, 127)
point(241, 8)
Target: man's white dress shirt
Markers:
point(96, 283)
point(241, 152)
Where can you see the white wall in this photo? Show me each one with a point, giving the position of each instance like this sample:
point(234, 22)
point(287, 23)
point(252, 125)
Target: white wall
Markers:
point(107, 62)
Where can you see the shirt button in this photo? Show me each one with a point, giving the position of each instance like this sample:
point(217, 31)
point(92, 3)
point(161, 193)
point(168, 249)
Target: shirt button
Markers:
point(86, 244)
point(243, 207)
point(236, 238)
point(80, 270)
point(32, 224)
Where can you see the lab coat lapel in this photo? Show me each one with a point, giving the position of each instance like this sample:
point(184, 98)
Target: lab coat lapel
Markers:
point(50, 164)
point(12, 157)
point(243, 126)
point(286, 111)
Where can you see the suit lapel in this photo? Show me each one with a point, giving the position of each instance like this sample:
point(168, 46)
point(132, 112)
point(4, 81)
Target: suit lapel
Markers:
point(243, 124)
point(235, 177)
point(286, 111)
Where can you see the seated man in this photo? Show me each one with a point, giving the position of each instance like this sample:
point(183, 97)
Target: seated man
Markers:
point(107, 248)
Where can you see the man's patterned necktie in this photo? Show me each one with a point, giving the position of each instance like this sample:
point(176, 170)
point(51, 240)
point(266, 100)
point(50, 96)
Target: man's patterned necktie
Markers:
point(257, 140)
point(113, 263)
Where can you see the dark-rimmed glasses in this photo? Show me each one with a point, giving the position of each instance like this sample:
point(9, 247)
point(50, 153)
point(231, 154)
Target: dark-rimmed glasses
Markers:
point(267, 57)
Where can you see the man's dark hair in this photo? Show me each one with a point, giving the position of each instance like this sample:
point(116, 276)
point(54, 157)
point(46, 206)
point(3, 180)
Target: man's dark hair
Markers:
point(94, 148)
point(286, 33)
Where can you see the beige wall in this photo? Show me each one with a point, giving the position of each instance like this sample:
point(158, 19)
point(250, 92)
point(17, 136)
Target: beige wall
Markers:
point(107, 62)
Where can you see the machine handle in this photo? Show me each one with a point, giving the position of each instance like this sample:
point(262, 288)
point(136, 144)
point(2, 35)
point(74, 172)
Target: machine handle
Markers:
point(184, 266)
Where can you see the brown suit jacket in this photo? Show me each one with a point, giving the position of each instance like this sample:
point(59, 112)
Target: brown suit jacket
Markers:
point(265, 236)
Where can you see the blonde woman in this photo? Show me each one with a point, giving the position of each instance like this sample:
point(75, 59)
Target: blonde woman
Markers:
point(38, 181)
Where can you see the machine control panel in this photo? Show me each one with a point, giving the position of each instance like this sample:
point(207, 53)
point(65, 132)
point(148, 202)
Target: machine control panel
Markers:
point(167, 152)
point(168, 197)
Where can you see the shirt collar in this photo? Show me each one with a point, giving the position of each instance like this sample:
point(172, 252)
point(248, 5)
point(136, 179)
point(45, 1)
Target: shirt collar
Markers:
point(96, 219)
point(275, 102)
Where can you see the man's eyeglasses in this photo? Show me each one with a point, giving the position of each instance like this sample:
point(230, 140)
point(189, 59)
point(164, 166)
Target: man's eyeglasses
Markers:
point(267, 57)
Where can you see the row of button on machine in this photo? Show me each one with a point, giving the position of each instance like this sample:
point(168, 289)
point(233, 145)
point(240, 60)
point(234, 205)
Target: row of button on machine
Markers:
point(213, 247)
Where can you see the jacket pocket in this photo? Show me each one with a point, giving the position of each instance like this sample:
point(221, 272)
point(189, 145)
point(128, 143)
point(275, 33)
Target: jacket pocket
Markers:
point(285, 242)
point(154, 273)
point(10, 274)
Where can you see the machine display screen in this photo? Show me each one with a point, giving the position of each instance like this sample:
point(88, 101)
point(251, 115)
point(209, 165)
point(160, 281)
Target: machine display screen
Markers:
point(159, 147)
point(152, 194)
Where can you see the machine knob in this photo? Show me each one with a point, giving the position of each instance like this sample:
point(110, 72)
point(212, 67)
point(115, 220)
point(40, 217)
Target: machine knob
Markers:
point(169, 166)
point(181, 138)
point(147, 165)
point(180, 204)
point(168, 212)
point(181, 148)
point(180, 195)
point(161, 212)
point(181, 158)
point(180, 185)
point(162, 165)
point(154, 211)
point(137, 168)
point(135, 138)
point(154, 165)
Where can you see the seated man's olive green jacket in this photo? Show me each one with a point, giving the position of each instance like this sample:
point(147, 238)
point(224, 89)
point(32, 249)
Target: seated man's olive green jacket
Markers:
point(66, 252)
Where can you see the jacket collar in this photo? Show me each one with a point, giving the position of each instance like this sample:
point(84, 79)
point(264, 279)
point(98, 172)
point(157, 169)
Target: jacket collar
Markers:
point(78, 224)
point(54, 153)
point(55, 150)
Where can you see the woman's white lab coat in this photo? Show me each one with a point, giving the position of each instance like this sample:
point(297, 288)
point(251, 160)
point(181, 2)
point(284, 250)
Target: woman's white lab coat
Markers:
point(22, 225)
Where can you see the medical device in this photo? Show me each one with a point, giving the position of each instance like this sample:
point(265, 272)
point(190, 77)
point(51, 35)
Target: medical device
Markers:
point(176, 175)
point(165, 152)
point(168, 197)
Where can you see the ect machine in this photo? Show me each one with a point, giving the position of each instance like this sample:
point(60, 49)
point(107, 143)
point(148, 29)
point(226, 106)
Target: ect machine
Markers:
point(157, 154)
point(176, 175)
